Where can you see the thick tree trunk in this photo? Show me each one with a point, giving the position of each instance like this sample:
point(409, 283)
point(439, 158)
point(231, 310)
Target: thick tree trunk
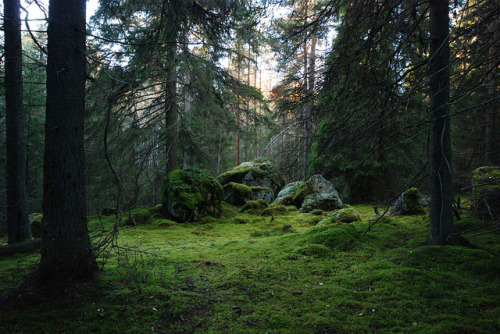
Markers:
point(171, 110)
point(18, 225)
point(66, 250)
point(441, 213)
point(491, 143)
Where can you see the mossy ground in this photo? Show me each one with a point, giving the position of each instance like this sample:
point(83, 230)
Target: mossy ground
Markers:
point(245, 273)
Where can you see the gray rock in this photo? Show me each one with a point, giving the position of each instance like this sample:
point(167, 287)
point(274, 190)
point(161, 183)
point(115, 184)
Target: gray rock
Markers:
point(408, 203)
point(265, 182)
point(290, 189)
point(324, 201)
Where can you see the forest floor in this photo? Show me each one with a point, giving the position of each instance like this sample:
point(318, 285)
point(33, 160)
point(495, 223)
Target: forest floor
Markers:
point(244, 273)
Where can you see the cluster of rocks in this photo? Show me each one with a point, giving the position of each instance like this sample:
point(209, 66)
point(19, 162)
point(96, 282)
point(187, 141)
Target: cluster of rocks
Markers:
point(190, 194)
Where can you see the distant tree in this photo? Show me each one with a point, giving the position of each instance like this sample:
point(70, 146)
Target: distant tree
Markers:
point(17, 209)
point(441, 213)
point(66, 251)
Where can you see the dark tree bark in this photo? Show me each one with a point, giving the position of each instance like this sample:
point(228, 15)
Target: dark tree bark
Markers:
point(490, 136)
point(441, 214)
point(66, 250)
point(171, 107)
point(17, 211)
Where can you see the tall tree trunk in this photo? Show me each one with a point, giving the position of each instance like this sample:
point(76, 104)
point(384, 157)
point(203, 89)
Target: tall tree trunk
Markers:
point(238, 105)
point(441, 214)
point(490, 154)
point(309, 103)
point(305, 110)
point(66, 250)
point(17, 211)
point(171, 108)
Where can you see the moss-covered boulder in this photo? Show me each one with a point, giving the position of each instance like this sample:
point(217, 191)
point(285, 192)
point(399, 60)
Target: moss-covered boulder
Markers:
point(290, 189)
point(408, 203)
point(486, 194)
point(323, 201)
point(345, 215)
point(260, 177)
point(236, 193)
point(190, 194)
point(35, 219)
point(285, 200)
point(319, 192)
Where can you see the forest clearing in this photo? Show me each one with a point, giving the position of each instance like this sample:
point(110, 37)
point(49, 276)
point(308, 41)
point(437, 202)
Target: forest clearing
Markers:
point(244, 273)
point(249, 166)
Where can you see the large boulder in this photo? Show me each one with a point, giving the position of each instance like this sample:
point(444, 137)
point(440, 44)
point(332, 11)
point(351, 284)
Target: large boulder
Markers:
point(261, 180)
point(190, 194)
point(486, 195)
point(315, 193)
point(324, 201)
point(408, 203)
point(286, 195)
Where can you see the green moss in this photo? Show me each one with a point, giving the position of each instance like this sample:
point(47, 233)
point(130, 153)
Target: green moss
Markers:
point(339, 238)
point(315, 250)
point(345, 215)
point(285, 200)
point(215, 278)
point(190, 194)
point(237, 193)
point(254, 206)
point(236, 175)
point(303, 191)
point(163, 223)
point(274, 210)
point(317, 212)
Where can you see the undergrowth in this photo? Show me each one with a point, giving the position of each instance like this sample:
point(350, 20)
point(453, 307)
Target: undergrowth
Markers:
point(247, 273)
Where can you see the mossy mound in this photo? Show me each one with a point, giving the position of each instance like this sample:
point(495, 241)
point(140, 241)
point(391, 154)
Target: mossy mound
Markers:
point(35, 219)
point(260, 176)
point(254, 206)
point(345, 215)
point(274, 210)
point(139, 218)
point(408, 203)
point(190, 194)
point(339, 238)
point(486, 195)
point(315, 250)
